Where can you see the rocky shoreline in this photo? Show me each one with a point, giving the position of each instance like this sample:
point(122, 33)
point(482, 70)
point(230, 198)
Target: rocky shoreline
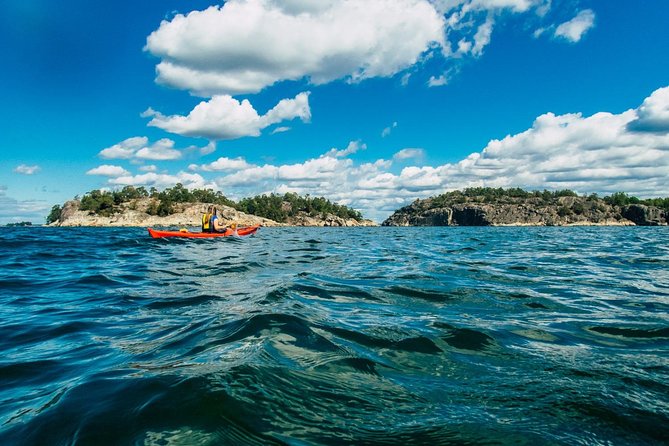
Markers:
point(134, 214)
point(563, 211)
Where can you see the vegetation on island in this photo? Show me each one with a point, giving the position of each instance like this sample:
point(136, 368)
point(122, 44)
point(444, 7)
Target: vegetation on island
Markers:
point(622, 199)
point(500, 195)
point(497, 195)
point(54, 215)
point(19, 224)
point(280, 207)
point(273, 206)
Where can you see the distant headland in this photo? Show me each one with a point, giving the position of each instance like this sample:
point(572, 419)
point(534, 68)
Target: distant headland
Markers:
point(19, 224)
point(516, 207)
point(179, 206)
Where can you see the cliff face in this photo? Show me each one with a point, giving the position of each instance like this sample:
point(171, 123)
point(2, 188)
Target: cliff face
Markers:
point(564, 211)
point(134, 213)
point(645, 215)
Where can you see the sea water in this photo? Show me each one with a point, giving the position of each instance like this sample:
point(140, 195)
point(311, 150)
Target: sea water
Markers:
point(354, 336)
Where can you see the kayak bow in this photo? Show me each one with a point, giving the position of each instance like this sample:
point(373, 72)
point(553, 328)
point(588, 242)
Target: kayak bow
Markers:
point(248, 230)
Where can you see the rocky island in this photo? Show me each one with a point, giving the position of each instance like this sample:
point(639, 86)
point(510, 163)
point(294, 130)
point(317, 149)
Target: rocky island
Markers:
point(179, 206)
point(517, 207)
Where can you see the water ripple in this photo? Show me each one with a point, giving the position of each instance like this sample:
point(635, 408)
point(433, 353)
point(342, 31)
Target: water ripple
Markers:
point(361, 336)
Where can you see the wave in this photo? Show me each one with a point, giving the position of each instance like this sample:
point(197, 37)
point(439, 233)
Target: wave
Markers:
point(302, 336)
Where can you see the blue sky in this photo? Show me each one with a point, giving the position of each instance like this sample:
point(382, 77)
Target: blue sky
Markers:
point(371, 103)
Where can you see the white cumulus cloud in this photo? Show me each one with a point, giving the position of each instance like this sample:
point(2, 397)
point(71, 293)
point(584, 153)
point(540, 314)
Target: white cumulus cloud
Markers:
point(161, 150)
point(26, 169)
point(575, 29)
point(653, 115)
point(314, 172)
point(409, 153)
point(138, 148)
point(482, 36)
point(280, 130)
point(222, 164)
point(515, 5)
point(351, 148)
point(224, 117)
point(437, 81)
point(125, 149)
point(208, 149)
point(247, 45)
point(189, 180)
point(108, 170)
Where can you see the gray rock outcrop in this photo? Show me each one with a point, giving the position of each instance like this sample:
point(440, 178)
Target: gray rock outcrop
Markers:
point(643, 215)
point(562, 211)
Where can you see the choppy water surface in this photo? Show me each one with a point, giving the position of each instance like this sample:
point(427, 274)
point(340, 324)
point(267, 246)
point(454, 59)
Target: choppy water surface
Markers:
point(335, 336)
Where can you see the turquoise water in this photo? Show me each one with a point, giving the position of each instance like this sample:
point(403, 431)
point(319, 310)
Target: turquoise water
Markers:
point(335, 336)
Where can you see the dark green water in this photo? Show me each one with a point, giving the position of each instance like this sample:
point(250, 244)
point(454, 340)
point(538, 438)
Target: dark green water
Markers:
point(335, 336)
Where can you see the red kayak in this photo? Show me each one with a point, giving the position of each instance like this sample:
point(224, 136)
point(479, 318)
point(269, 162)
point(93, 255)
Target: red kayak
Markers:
point(247, 230)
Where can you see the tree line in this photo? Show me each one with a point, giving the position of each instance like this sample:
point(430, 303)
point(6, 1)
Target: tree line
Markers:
point(494, 195)
point(19, 224)
point(281, 207)
point(497, 195)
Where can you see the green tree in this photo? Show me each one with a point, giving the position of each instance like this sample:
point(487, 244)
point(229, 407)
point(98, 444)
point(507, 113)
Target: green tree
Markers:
point(563, 211)
point(565, 193)
point(165, 208)
point(281, 207)
point(152, 209)
point(618, 199)
point(98, 202)
point(54, 215)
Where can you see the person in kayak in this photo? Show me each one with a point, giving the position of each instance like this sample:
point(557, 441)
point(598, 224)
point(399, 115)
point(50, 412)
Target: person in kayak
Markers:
point(206, 220)
point(215, 222)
